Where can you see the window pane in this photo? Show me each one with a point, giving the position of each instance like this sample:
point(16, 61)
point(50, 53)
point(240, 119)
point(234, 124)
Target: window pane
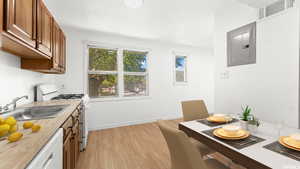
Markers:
point(135, 85)
point(103, 85)
point(102, 59)
point(180, 68)
point(180, 76)
point(135, 61)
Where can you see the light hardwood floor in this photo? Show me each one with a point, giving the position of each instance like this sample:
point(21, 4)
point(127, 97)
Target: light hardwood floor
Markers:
point(132, 147)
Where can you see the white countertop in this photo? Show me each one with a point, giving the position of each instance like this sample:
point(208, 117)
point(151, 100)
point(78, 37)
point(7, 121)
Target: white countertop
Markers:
point(267, 157)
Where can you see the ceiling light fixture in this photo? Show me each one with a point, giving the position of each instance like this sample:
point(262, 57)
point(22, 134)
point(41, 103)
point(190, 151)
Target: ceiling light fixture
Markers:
point(134, 3)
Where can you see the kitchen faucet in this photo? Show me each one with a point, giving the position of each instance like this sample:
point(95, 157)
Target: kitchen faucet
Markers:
point(13, 103)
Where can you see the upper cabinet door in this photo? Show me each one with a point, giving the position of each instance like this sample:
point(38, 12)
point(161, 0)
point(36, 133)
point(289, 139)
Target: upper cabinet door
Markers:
point(56, 45)
point(44, 29)
point(21, 20)
point(63, 52)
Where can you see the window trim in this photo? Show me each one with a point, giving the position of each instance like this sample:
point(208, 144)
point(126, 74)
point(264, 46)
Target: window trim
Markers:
point(120, 71)
point(186, 55)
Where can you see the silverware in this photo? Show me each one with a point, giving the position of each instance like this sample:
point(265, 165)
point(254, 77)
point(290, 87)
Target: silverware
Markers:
point(286, 153)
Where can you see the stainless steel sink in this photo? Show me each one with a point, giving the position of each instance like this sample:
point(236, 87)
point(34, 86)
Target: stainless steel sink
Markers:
point(36, 113)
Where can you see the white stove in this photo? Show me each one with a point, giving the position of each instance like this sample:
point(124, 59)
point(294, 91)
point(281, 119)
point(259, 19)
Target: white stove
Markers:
point(46, 92)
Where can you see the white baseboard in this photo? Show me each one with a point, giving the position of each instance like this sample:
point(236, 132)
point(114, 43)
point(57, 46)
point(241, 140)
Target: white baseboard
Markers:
point(129, 123)
point(121, 124)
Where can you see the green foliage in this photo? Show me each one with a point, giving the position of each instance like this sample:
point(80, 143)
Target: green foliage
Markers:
point(246, 113)
point(104, 80)
point(134, 61)
point(102, 59)
point(106, 60)
point(99, 82)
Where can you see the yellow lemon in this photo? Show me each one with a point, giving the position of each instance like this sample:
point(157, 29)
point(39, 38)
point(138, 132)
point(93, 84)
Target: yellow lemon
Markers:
point(3, 133)
point(13, 129)
point(1, 120)
point(4, 128)
point(10, 121)
point(15, 137)
point(35, 128)
point(27, 125)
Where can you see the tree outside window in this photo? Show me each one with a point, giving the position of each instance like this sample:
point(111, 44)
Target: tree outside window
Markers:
point(117, 73)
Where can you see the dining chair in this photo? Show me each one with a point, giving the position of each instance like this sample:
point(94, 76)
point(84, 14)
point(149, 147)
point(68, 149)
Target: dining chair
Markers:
point(183, 153)
point(195, 110)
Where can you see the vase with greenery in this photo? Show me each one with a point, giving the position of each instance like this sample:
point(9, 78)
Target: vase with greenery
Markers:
point(246, 113)
point(246, 116)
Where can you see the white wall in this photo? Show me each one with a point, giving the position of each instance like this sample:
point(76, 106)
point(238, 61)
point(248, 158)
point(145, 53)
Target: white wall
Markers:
point(271, 85)
point(17, 82)
point(164, 101)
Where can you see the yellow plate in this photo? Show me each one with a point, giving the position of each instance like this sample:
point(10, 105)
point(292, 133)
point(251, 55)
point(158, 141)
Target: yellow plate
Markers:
point(238, 134)
point(284, 140)
point(241, 134)
point(218, 119)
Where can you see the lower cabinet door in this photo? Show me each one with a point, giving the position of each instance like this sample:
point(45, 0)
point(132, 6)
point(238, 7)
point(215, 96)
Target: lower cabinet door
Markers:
point(67, 155)
point(50, 157)
point(75, 144)
point(73, 153)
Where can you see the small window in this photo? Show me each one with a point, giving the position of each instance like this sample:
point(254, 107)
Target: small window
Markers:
point(180, 69)
point(117, 73)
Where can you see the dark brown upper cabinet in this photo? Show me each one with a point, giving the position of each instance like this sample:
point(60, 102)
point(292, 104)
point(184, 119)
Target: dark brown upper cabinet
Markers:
point(29, 30)
point(20, 20)
point(56, 45)
point(62, 62)
point(44, 29)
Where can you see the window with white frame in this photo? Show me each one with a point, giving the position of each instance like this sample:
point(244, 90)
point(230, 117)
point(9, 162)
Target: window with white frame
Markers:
point(116, 72)
point(180, 72)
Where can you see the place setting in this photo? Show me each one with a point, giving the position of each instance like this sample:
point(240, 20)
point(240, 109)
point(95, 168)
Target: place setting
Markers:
point(215, 120)
point(287, 145)
point(234, 136)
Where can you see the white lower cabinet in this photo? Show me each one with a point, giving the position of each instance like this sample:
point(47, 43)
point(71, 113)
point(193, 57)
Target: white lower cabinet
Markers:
point(51, 156)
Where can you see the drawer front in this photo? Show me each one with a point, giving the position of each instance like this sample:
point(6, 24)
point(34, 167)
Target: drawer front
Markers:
point(50, 157)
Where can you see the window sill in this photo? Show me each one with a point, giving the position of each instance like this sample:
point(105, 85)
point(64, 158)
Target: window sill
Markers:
point(115, 99)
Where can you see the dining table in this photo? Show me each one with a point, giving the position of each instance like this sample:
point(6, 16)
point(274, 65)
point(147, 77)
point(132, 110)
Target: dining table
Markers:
point(262, 151)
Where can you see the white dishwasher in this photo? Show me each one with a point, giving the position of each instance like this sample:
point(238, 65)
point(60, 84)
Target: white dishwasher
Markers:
point(51, 155)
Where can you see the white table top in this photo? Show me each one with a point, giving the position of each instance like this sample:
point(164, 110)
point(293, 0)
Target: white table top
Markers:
point(267, 131)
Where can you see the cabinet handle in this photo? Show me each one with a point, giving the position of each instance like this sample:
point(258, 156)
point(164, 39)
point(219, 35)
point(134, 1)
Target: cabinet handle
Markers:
point(48, 161)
